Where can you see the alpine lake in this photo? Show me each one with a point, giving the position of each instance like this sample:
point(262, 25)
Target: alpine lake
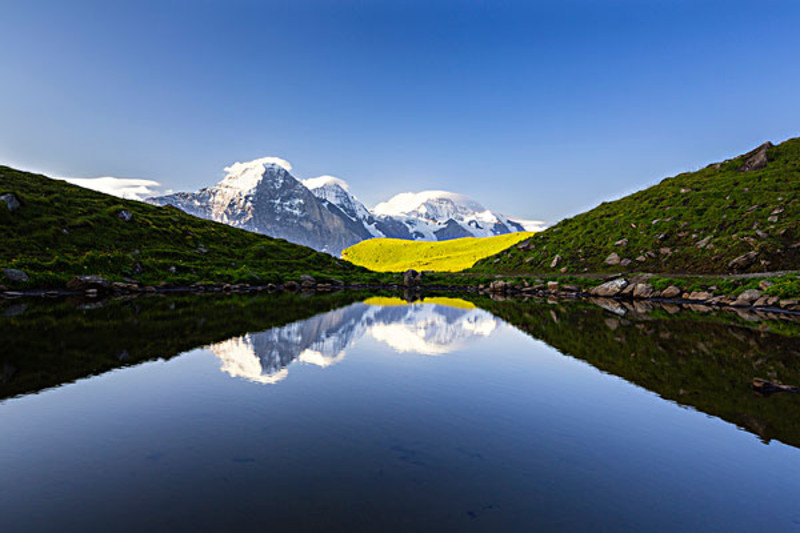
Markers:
point(363, 412)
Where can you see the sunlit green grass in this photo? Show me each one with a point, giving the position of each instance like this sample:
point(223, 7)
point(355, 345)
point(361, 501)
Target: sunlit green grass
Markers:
point(397, 255)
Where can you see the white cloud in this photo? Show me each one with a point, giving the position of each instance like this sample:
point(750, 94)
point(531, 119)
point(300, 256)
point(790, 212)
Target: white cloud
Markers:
point(321, 181)
point(529, 225)
point(129, 188)
point(240, 167)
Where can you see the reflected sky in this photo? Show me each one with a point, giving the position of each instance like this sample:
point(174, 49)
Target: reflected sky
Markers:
point(498, 432)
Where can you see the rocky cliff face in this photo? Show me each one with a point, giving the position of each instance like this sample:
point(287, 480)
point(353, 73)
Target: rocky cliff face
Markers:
point(262, 196)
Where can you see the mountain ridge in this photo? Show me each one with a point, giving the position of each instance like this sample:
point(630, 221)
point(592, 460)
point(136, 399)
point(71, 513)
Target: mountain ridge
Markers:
point(263, 196)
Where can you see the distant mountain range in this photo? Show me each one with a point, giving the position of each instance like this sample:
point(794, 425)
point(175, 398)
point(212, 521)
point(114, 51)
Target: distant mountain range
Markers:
point(263, 196)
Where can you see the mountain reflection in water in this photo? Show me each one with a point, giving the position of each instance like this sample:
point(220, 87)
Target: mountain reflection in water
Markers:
point(543, 416)
point(430, 327)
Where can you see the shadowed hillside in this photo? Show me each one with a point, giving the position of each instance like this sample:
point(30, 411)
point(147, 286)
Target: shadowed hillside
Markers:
point(53, 230)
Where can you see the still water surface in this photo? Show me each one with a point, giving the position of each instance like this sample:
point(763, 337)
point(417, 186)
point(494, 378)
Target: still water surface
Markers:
point(383, 416)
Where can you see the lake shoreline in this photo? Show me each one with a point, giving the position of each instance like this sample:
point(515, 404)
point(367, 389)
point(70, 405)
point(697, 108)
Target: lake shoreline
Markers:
point(614, 290)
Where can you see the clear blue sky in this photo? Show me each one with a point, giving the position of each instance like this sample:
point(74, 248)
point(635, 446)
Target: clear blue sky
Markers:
point(536, 109)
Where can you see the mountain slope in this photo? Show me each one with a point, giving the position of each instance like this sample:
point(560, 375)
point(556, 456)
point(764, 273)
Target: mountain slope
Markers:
point(58, 230)
point(397, 255)
point(740, 215)
point(263, 196)
point(443, 215)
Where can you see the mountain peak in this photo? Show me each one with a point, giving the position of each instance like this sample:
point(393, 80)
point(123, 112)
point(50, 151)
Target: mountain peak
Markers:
point(247, 175)
point(325, 181)
point(432, 203)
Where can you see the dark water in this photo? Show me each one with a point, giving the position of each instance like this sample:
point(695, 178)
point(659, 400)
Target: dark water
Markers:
point(284, 413)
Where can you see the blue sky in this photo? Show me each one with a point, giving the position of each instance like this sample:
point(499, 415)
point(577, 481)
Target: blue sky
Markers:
point(536, 109)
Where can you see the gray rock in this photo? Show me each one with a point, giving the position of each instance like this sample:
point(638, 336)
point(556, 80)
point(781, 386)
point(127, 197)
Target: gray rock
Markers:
point(747, 298)
point(610, 288)
point(757, 159)
point(552, 286)
point(700, 296)
point(82, 283)
point(612, 259)
point(15, 275)
point(11, 201)
point(642, 290)
point(765, 284)
point(625, 262)
point(671, 292)
point(743, 261)
point(555, 261)
point(497, 286)
point(621, 242)
point(703, 242)
point(410, 277)
point(125, 215)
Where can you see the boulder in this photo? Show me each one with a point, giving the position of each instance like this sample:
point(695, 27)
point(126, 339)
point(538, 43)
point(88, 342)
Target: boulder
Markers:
point(15, 275)
point(497, 286)
point(625, 262)
point(612, 259)
point(671, 292)
point(757, 159)
point(610, 288)
point(747, 298)
point(410, 277)
point(743, 261)
point(765, 284)
point(291, 286)
point(621, 242)
point(552, 286)
point(307, 281)
point(83, 283)
point(770, 387)
point(11, 201)
point(700, 296)
point(555, 261)
point(642, 290)
point(125, 215)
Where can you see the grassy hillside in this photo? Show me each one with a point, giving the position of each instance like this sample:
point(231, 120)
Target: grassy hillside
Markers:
point(61, 230)
point(397, 255)
point(83, 340)
point(696, 222)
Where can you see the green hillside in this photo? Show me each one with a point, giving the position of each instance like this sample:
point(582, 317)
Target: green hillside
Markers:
point(60, 230)
point(397, 255)
point(741, 215)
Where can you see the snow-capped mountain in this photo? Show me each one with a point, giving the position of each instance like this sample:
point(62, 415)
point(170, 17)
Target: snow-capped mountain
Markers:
point(442, 215)
point(426, 215)
point(322, 340)
point(263, 196)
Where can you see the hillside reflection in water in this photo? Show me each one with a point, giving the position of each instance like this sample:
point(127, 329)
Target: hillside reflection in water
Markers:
point(349, 413)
